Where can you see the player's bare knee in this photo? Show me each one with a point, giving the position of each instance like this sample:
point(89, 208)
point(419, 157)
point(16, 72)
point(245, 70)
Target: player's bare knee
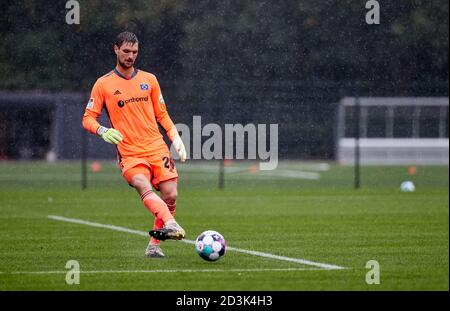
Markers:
point(170, 197)
point(141, 183)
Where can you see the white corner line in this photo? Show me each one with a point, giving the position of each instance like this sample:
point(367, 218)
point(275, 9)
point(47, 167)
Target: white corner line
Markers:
point(245, 251)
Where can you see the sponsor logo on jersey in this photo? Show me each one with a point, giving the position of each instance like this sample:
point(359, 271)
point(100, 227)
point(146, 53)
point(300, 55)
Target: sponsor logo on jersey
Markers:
point(132, 100)
point(117, 92)
point(144, 86)
point(90, 103)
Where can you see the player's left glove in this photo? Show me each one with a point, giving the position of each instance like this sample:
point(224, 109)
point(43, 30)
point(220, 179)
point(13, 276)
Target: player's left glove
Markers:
point(177, 143)
point(110, 135)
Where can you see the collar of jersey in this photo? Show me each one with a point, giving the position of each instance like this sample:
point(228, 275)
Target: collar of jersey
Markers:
point(123, 77)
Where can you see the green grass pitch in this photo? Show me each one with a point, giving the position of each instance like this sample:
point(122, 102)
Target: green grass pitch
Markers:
point(302, 211)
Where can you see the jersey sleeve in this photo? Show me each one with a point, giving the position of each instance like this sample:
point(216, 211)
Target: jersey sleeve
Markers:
point(93, 109)
point(160, 109)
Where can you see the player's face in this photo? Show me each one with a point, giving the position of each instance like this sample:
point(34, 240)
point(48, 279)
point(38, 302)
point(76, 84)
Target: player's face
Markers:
point(126, 54)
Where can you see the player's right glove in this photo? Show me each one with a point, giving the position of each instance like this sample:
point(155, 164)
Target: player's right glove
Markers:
point(177, 143)
point(110, 135)
point(179, 147)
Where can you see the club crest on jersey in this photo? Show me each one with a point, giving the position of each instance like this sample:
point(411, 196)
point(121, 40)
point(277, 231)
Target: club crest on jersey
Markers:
point(90, 103)
point(144, 87)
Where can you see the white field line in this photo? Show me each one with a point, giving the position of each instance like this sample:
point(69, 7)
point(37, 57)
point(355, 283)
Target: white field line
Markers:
point(322, 167)
point(249, 252)
point(282, 173)
point(283, 165)
point(166, 271)
point(292, 174)
point(210, 168)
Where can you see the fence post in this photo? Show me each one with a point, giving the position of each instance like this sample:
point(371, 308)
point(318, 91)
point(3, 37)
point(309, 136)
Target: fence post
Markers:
point(357, 151)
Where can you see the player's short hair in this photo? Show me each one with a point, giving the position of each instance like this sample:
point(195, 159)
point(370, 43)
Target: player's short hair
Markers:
point(125, 36)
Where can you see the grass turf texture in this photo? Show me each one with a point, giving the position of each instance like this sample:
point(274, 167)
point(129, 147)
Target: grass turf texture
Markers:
point(322, 220)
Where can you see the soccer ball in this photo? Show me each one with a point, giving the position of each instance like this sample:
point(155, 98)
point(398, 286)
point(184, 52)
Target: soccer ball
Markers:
point(407, 186)
point(210, 245)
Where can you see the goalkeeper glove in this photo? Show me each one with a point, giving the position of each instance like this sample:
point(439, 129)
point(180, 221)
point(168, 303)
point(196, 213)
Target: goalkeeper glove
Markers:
point(177, 143)
point(110, 135)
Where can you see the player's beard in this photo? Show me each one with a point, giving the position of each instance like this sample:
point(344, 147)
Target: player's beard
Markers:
point(125, 65)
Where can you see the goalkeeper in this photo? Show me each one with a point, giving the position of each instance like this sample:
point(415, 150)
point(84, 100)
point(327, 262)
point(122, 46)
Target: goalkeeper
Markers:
point(133, 101)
